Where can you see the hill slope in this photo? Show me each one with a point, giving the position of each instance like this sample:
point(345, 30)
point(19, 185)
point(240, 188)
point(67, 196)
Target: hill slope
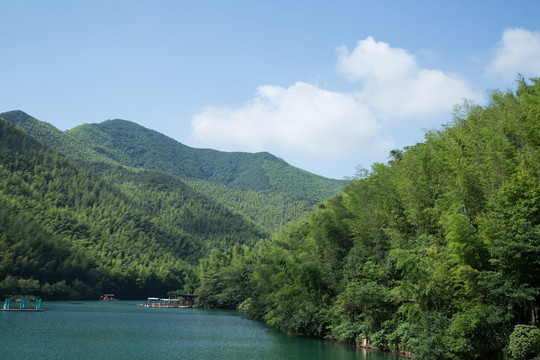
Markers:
point(65, 232)
point(260, 185)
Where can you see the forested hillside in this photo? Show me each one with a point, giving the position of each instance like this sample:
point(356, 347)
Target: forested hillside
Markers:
point(436, 252)
point(261, 186)
point(67, 233)
point(180, 206)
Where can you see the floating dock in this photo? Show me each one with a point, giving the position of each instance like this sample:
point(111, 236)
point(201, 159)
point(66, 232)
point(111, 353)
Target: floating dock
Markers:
point(161, 303)
point(174, 303)
point(26, 303)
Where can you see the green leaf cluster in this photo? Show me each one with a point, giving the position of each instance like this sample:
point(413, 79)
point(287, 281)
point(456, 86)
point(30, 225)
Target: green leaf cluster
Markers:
point(524, 343)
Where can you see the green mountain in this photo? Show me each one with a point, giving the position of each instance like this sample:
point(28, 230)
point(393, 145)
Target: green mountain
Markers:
point(70, 232)
point(260, 185)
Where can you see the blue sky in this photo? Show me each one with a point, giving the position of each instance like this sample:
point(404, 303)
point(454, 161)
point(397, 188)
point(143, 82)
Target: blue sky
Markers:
point(325, 85)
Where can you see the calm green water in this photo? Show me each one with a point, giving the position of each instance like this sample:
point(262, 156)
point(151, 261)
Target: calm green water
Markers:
point(123, 330)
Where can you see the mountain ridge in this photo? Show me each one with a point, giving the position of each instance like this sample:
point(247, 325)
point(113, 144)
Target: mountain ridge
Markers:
point(226, 177)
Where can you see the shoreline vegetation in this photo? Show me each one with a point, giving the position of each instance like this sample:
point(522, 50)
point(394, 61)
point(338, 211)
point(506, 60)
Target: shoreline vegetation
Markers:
point(434, 254)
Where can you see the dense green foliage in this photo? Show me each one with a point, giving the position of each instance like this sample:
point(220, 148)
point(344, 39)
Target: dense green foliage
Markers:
point(270, 210)
point(524, 343)
point(261, 186)
point(178, 205)
point(67, 233)
point(435, 253)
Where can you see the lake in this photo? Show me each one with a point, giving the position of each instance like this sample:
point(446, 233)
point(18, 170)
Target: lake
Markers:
point(123, 330)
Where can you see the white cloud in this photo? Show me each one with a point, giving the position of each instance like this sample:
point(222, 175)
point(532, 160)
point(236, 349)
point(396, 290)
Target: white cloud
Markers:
point(394, 86)
point(517, 52)
point(306, 121)
point(302, 118)
point(374, 60)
